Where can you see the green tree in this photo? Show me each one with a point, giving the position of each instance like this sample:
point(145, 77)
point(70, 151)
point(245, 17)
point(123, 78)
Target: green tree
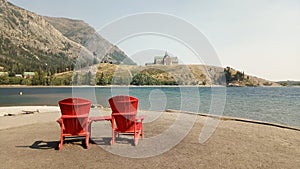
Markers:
point(26, 82)
point(36, 79)
point(144, 79)
point(4, 80)
point(15, 80)
point(228, 75)
point(101, 80)
point(56, 81)
point(88, 79)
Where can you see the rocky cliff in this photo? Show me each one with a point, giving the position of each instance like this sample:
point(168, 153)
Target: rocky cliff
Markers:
point(81, 32)
point(29, 42)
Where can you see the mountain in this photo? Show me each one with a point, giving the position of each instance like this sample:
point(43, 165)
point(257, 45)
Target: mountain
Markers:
point(81, 32)
point(29, 42)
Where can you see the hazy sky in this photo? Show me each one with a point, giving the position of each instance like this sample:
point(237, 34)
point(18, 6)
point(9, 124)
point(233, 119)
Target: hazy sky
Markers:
point(260, 37)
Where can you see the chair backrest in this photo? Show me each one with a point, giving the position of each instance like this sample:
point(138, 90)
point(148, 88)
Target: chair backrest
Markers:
point(124, 110)
point(75, 107)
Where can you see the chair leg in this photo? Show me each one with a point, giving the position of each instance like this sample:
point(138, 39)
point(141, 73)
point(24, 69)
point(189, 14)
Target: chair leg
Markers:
point(90, 128)
point(87, 139)
point(60, 142)
point(112, 138)
point(136, 138)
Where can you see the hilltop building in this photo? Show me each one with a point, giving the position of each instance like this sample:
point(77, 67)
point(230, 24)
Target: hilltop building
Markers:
point(164, 60)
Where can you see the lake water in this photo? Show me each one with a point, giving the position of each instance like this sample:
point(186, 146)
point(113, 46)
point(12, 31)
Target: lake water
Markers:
point(272, 104)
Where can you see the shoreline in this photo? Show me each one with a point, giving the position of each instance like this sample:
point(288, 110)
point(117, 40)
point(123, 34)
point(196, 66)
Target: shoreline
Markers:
point(62, 86)
point(22, 111)
point(133, 86)
point(231, 118)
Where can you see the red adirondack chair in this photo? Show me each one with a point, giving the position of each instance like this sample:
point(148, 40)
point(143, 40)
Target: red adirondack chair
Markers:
point(124, 110)
point(74, 119)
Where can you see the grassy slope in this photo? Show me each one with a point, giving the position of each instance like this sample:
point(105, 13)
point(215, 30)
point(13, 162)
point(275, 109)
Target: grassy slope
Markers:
point(181, 74)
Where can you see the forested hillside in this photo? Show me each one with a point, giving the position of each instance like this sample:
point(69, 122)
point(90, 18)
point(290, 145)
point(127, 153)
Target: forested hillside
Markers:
point(33, 43)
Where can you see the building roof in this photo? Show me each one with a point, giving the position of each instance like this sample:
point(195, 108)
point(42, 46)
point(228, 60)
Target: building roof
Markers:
point(3, 73)
point(162, 57)
point(28, 73)
point(158, 58)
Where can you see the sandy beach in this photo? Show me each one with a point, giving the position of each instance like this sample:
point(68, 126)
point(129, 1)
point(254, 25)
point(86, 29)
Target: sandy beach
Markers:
point(29, 141)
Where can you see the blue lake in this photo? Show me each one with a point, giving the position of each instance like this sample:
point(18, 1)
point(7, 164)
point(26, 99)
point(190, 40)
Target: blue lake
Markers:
point(272, 104)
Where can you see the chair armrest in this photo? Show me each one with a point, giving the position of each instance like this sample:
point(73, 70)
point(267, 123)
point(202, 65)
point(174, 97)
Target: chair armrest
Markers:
point(123, 114)
point(74, 116)
point(61, 123)
point(141, 118)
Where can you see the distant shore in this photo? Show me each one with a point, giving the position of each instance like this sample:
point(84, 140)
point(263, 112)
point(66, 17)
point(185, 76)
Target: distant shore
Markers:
point(109, 86)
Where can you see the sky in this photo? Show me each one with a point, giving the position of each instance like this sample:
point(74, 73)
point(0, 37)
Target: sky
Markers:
point(259, 37)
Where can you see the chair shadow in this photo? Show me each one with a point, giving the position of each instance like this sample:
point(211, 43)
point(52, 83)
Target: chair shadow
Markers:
point(42, 145)
point(100, 141)
point(46, 145)
point(107, 140)
point(124, 139)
